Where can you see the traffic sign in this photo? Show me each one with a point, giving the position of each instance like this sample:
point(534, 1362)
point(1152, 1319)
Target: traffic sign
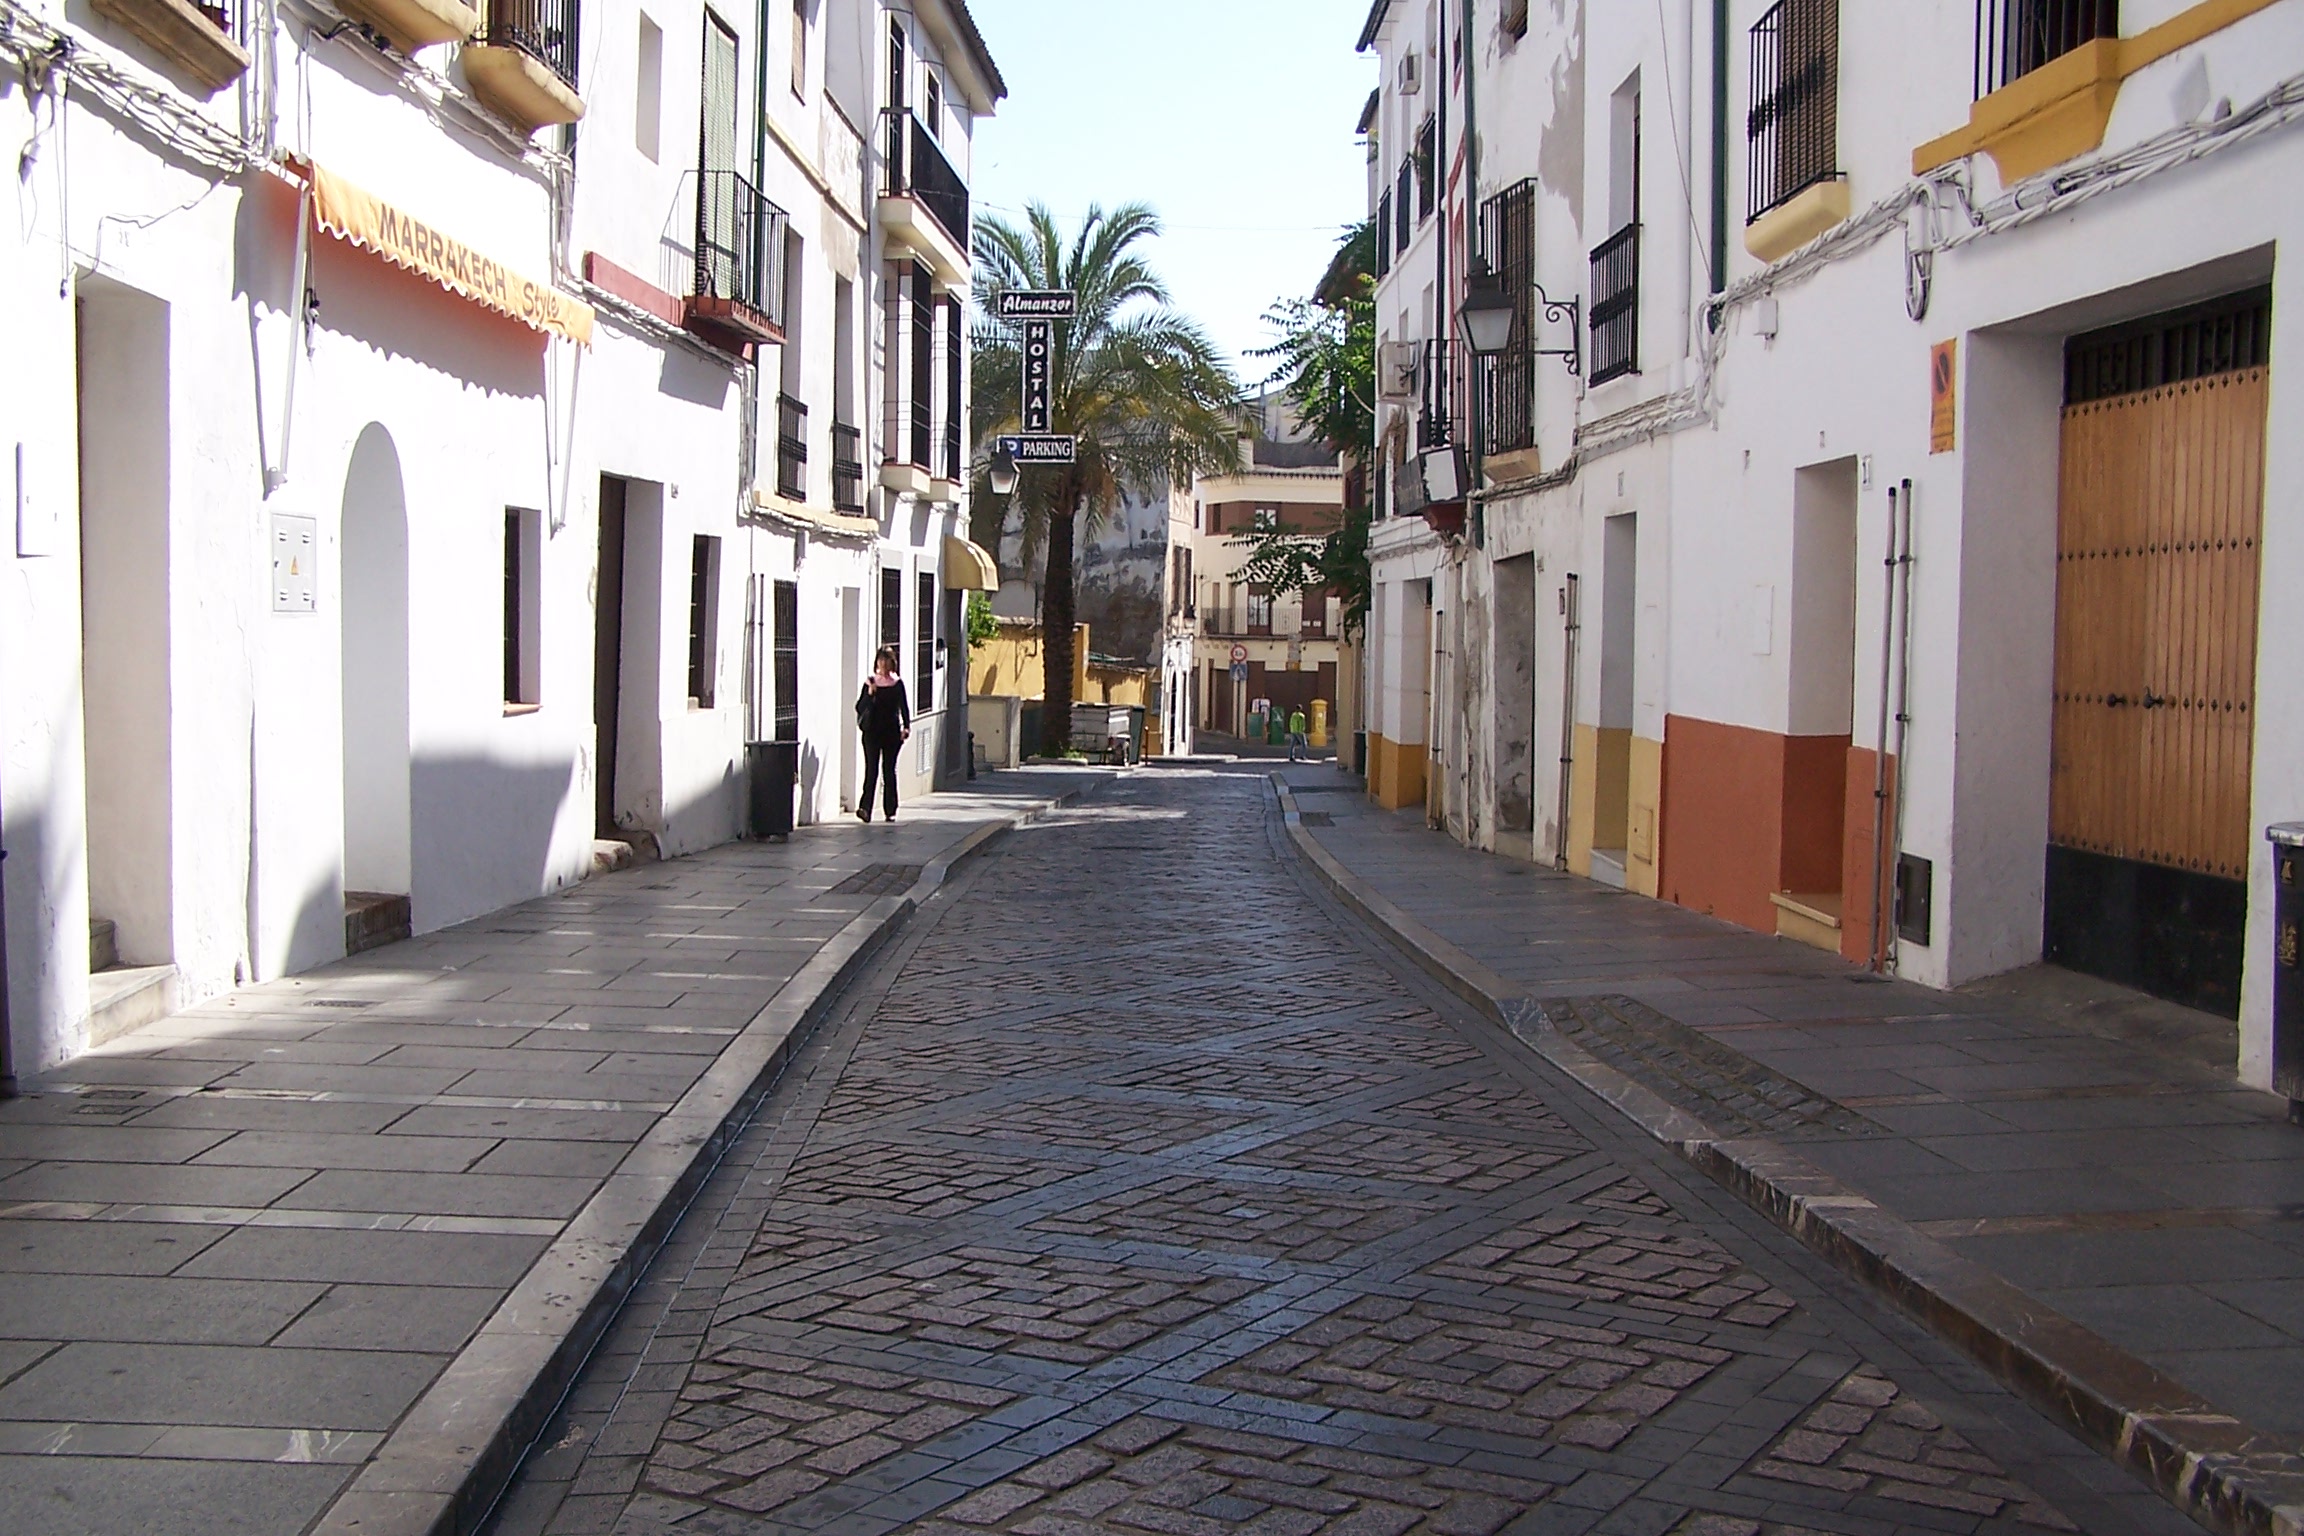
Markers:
point(1036, 304)
point(1239, 653)
point(1041, 447)
point(1239, 671)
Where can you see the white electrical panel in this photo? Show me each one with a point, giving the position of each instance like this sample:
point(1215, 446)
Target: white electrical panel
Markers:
point(39, 517)
point(295, 563)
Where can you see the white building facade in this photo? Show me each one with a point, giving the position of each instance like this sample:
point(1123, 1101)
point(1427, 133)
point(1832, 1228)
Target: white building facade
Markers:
point(440, 442)
point(1897, 571)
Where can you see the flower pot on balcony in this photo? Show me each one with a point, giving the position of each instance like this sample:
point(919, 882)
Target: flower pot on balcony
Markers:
point(521, 87)
point(183, 34)
point(412, 24)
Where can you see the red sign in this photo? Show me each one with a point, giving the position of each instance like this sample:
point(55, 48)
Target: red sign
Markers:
point(1239, 653)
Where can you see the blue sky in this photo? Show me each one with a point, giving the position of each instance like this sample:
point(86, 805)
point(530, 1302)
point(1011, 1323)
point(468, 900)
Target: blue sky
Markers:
point(1233, 118)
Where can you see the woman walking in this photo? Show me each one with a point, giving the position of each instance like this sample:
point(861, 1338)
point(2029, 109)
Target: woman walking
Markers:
point(884, 716)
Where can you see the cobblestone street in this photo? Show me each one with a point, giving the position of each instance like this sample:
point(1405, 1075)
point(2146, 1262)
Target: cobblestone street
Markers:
point(1139, 1189)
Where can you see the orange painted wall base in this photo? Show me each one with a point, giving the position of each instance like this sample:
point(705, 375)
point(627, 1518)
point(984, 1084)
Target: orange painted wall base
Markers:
point(1748, 813)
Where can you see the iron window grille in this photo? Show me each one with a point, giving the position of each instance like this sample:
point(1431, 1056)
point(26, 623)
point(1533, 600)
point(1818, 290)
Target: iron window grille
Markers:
point(954, 353)
point(924, 643)
point(892, 609)
point(2222, 336)
point(1427, 167)
point(1403, 206)
point(916, 168)
point(545, 30)
point(1384, 233)
point(1437, 387)
point(1508, 379)
point(1616, 305)
point(923, 401)
point(2016, 37)
point(847, 468)
point(787, 660)
point(1792, 132)
point(703, 578)
point(739, 245)
point(791, 448)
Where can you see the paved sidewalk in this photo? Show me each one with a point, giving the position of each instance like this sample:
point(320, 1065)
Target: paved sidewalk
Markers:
point(337, 1243)
point(2085, 1146)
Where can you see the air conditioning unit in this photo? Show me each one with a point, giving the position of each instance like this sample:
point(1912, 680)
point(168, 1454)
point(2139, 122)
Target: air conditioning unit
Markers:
point(1410, 74)
point(1396, 369)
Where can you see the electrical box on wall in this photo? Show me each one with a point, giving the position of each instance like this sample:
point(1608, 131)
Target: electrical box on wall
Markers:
point(1915, 897)
point(295, 563)
point(39, 516)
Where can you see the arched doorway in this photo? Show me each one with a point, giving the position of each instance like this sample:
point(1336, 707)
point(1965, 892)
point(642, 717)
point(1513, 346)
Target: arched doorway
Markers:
point(374, 561)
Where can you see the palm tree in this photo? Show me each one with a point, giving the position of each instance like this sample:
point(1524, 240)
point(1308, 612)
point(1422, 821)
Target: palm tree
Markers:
point(1140, 386)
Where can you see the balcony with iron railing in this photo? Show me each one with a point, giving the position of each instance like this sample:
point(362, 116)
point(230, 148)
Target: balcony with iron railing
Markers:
point(2016, 37)
point(1793, 190)
point(847, 468)
point(1438, 389)
point(2047, 74)
point(195, 38)
point(524, 65)
point(738, 297)
point(791, 448)
point(923, 200)
point(1615, 317)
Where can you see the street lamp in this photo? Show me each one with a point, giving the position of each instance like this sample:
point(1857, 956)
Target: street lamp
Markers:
point(1488, 312)
point(1003, 474)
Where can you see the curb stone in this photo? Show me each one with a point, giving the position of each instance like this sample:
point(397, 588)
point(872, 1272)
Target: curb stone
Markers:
point(2228, 1477)
point(443, 1467)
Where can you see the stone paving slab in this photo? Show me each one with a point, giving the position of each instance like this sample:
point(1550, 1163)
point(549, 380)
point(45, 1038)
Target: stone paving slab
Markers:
point(1137, 1189)
point(2063, 1176)
point(337, 1242)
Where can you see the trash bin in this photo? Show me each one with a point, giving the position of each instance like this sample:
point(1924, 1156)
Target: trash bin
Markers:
point(1276, 733)
point(2287, 839)
point(773, 770)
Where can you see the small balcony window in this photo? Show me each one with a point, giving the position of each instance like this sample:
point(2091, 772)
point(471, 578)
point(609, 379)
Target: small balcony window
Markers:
point(791, 448)
point(1792, 130)
point(1508, 379)
point(1436, 397)
point(1616, 305)
point(739, 291)
point(1427, 167)
point(847, 468)
point(1259, 611)
point(2016, 37)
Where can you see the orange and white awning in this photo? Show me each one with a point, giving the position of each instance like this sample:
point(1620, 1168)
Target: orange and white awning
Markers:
point(404, 240)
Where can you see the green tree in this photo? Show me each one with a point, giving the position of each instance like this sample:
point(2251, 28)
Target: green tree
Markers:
point(1140, 386)
point(1325, 364)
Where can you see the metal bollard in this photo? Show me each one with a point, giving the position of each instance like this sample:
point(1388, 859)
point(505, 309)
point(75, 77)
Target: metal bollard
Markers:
point(2287, 839)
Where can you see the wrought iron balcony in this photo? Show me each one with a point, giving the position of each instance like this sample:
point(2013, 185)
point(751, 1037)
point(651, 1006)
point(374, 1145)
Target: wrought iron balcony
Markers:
point(847, 468)
point(917, 169)
point(2016, 37)
point(739, 294)
point(1792, 131)
point(1437, 391)
point(545, 30)
point(1616, 305)
point(791, 448)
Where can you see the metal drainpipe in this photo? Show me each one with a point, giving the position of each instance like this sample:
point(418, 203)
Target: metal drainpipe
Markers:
point(1477, 454)
point(1719, 147)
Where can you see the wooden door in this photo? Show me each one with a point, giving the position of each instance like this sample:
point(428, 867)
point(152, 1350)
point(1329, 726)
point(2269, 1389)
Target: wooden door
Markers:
point(2159, 513)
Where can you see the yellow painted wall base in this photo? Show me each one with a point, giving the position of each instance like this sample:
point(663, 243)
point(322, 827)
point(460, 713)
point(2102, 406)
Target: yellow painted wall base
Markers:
point(1643, 815)
point(1395, 772)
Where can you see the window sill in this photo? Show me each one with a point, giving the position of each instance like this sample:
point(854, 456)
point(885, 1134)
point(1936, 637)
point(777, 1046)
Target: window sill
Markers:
point(520, 709)
point(414, 24)
point(1797, 220)
point(184, 36)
